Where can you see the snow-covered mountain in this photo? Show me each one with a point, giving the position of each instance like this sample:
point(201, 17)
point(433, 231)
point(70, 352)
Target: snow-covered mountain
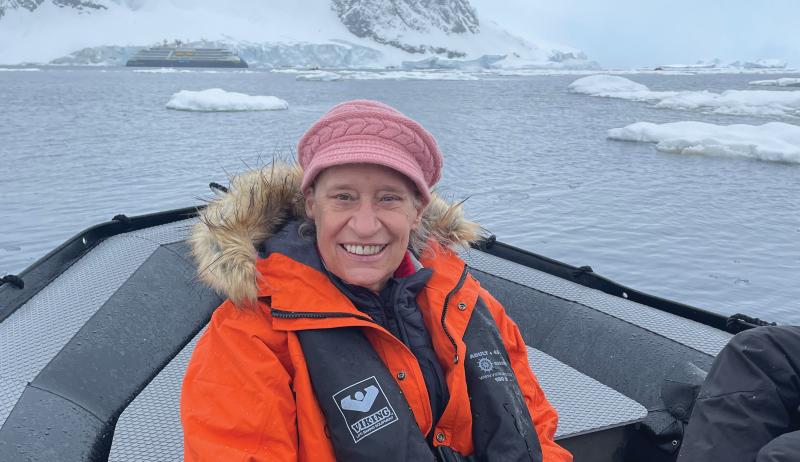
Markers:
point(387, 22)
point(31, 5)
point(278, 33)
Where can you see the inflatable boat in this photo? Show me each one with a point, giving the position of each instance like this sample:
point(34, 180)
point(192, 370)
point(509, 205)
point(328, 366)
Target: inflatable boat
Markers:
point(95, 338)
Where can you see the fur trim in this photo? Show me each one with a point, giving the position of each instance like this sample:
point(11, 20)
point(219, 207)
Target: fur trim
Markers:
point(259, 202)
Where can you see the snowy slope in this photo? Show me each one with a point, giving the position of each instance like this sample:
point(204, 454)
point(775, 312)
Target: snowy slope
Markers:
point(303, 33)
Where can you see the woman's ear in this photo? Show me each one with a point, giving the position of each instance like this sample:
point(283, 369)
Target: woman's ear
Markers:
point(420, 210)
point(308, 194)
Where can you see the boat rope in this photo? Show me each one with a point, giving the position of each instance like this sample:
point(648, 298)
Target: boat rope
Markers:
point(740, 322)
point(14, 280)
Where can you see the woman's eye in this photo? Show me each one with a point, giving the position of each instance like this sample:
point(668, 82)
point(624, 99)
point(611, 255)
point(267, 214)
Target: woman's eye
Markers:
point(390, 198)
point(343, 197)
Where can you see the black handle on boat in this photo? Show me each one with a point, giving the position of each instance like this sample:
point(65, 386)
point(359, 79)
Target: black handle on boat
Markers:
point(14, 280)
point(740, 322)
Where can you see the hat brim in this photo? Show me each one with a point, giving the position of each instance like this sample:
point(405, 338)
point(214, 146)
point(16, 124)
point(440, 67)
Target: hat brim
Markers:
point(367, 151)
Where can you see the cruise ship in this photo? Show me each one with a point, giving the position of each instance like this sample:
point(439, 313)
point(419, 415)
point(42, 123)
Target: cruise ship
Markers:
point(185, 57)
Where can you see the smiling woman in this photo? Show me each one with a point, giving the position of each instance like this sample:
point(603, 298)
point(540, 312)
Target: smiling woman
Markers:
point(364, 216)
point(352, 328)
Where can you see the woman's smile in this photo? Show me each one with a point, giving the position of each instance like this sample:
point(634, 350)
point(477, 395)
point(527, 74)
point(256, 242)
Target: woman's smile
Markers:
point(364, 250)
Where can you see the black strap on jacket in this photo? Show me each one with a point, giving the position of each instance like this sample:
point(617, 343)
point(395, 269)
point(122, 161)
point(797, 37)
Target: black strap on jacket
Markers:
point(502, 428)
point(367, 416)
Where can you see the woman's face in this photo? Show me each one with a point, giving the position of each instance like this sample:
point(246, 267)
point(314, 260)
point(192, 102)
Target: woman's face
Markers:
point(364, 215)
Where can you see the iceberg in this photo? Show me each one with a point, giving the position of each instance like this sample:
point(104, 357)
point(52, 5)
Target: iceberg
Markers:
point(217, 99)
point(19, 69)
point(784, 82)
point(610, 86)
point(773, 141)
point(732, 102)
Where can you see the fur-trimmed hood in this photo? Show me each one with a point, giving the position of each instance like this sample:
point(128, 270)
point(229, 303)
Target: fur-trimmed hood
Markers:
point(224, 243)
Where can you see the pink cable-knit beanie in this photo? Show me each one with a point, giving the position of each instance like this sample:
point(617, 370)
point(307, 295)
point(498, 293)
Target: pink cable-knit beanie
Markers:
point(369, 132)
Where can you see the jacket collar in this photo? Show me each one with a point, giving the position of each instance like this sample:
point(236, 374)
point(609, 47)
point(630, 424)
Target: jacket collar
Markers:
point(257, 205)
point(302, 295)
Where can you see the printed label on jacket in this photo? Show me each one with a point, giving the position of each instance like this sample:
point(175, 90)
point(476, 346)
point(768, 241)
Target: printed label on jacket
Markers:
point(364, 408)
point(493, 365)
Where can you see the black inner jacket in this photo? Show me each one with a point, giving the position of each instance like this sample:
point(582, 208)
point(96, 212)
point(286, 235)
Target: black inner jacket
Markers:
point(395, 309)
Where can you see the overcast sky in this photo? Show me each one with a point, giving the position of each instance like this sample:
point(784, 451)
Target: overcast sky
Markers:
point(626, 33)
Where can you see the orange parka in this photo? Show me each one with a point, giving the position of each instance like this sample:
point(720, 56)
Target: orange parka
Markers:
point(247, 394)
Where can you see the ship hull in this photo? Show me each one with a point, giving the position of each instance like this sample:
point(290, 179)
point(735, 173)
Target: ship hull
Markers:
point(185, 63)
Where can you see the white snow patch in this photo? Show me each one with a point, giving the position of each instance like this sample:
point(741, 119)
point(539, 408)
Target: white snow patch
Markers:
point(774, 141)
point(784, 82)
point(216, 99)
point(734, 102)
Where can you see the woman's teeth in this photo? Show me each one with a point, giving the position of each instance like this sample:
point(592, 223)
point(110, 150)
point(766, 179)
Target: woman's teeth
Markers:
point(363, 249)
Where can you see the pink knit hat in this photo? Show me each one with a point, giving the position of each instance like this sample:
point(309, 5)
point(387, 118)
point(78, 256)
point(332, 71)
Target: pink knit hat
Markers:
point(369, 132)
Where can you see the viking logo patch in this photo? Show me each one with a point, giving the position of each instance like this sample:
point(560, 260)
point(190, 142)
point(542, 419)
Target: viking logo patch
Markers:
point(365, 408)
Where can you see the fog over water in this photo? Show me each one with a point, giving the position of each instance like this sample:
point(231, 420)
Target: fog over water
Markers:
point(79, 146)
point(626, 33)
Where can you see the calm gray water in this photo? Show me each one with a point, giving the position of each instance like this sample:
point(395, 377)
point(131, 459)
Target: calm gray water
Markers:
point(78, 146)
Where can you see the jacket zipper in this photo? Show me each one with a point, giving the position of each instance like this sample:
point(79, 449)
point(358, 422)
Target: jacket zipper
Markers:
point(444, 312)
point(307, 314)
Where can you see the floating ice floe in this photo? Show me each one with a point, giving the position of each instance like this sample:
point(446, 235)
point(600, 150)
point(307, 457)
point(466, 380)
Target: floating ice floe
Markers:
point(19, 69)
point(216, 99)
point(784, 82)
point(381, 75)
point(735, 102)
point(408, 75)
point(717, 66)
point(774, 141)
point(319, 76)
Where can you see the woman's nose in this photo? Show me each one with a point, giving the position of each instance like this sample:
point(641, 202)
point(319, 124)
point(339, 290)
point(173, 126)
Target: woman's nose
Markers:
point(365, 220)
